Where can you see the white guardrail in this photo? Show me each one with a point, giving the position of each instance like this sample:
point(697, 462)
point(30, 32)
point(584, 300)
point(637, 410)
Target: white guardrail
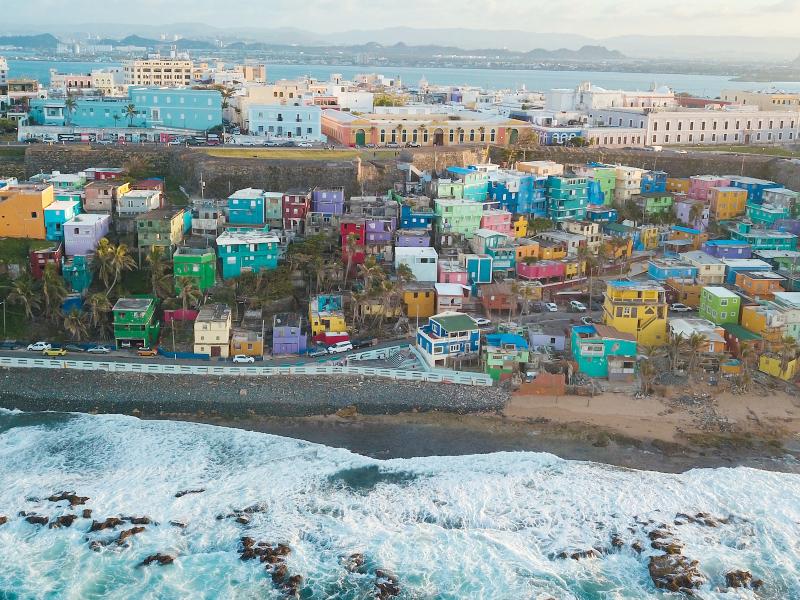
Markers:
point(459, 377)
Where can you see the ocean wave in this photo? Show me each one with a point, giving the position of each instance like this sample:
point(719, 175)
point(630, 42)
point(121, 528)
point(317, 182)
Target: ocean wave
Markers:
point(496, 526)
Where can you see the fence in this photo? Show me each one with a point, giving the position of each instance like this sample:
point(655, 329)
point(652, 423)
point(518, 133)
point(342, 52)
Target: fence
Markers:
point(458, 377)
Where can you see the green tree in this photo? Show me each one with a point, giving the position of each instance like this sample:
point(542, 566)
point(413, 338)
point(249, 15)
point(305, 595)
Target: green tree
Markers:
point(189, 294)
point(98, 308)
point(539, 224)
point(70, 104)
point(130, 113)
point(160, 277)
point(24, 293)
point(54, 291)
point(111, 261)
point(75, 324)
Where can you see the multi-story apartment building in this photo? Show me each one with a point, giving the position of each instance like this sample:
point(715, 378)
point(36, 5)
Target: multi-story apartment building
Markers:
point(162, 227)
point(57, 214)
point(197, 264)
point(727, 202)
point(158, 71)
point(458, 216)
point(246, 207)
point(247, 250)
point(290, 122)
point(776, 100)
point(448, 337)
point(212, 330)
point(22, 210)
point(637, 308)
point(135, 323)
point(567, 198)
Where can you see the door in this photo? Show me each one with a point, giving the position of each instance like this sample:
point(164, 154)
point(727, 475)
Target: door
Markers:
point(361, 138)
point(513, 136)
point(215, 351)
point(438, 138)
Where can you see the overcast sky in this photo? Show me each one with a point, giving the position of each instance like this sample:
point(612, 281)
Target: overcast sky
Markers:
point(594, 18)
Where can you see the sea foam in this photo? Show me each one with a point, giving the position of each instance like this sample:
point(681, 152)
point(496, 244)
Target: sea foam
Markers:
point(484, 527)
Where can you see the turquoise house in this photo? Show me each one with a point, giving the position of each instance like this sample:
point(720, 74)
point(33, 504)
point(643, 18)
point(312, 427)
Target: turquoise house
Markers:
point(479, 268)
point(567, 198)
point(58, 213)
point(602, 351)
point(246, 207)
point(762, 239)
point(77, 273)
point(244, 250)
point(767, 214)
point(474, 184)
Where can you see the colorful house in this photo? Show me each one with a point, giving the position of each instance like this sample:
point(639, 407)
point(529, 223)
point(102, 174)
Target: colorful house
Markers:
point(755, 187)
point(520, 226)
point(447, 338)
point(654, 182)
point(604, 352)
point(22, 210)
point(727, 249)
point(212, 330)
point(713, 334)
point(700, 186)
point(497, 220)
point(328, 201)
point(692, 213)
point(678, 185)
point(503, 353)
point(416, 215)
point(419, 300)
point(479, 267)
point(135, 323)
point(695, 236)
point(567, 198)
point(727, 202)
point(766, 215)
point(542, 270)
point(762, 239)
point(639, 309)
point(326, 314)
point(768, 321)
point(526, 248)
point(789, 304)
point(474, 183)
point(450, 297)
point(56, 215)
point(772, 364)
point(655, 203)
point(246, 207)
point(759, 285)
point(198, 264)
point(287, 334)
point(710, 270)
point(102, 196)
point(421, 261)
point(42, 257)
point(247, 342)
point(77, 272)
point(163, 228)
point(296, 205)
point(733, 266)
point(498, 298)
point(137, 202)
point(670, 268)
point(458, 216)
point(247, 250)
point(719, 305)
point(601, 214)
point(452, 271)
point(83, 233)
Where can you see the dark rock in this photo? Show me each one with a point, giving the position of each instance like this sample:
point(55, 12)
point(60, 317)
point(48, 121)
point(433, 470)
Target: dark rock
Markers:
point(675, 573)
point(386, 585)
point(96, 545)
point(109, 523)
point(355, 562)
point(63, 521)
point(668, 546)
point(74, 499)
point(137, 520)
point(283, 549)
point(36, 519)
point(742, 579)
point(279, 573)
point(248, 542)
point(242, 520)
point(183, 493)
point(178, 524)
point(581, 554)
point(616, 541)
point(87, 513)
point(3, 520)
point(125, 534)
point(637, 546)
point(162, 559)
point(293, 584)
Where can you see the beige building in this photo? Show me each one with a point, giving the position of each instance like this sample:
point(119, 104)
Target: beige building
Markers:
point(167, 72)
point(212, 330)
point(542, 168)
point(763, 100)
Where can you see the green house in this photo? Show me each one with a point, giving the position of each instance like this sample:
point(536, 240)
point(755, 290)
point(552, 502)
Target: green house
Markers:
point(77, 273)
point(654, 203)
point(199, 264)
point(135, 323)
point(160, 227)
point(503, 353)
point(719, 305)
point(458, 216)
point(604, 352)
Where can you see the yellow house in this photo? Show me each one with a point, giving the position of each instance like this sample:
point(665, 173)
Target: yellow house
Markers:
point(212, 330)
point(687, 291)
point(618, 251)
point(574, 268)
point(678, 185)
point(419, 301)
point(375, 307)
point(526, 248)
point(638, 308)
point(552, 250)
point(22, 210)
point(650, 237)
point(249, 343)
point(325, 314)
point(520, 227)
point(727, 202)
point(771, 365)
point(767, 322)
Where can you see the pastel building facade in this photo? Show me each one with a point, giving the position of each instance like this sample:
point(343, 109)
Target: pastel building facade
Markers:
point(83, 233)
point(719, 305)
point(247, 250)
point(56, 215)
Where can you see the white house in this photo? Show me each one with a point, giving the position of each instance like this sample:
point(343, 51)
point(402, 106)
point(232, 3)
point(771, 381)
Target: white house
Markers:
point(138, 202)
point(286, 122)
point(422, 261)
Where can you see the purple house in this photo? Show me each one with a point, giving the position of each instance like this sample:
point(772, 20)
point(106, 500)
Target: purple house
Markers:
point(683, 208)
point(380, 229)
point(412, 238)
point(287, 334)
point(83, 232)
point(328, 201)
point(728, 249)
point(787, 225)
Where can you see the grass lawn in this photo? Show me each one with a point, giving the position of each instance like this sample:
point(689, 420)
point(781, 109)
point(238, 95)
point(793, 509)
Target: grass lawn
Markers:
point(299, 153)
point(17, 250)
point(763, 150)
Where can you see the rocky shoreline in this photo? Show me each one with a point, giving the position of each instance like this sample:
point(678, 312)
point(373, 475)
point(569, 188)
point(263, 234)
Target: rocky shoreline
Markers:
point(279, 396)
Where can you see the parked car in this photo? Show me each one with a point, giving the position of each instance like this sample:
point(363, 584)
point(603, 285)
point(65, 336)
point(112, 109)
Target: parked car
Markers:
point(104, 142)
point(537, 307)
point(551, 306)
point(339, 347)
point(413, 145)
point(99, 350)
point(54, 352)
point(39, 346)
point(483, 321)
point(392, 145)
point(679, 307)
point(577, 306)
point(305, 145)
point(318, 352)
point(364, 343)
point(74, 348)
point(147, 351)
point(587, 320)
point(243, 358)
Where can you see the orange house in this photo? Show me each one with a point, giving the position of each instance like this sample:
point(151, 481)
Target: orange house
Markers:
point(767, 322)
point(760, 285)
point(727, 202)
point(551, 250)
point(697, 237)
point(677, 185)
point(526, 248)
point(22, 210)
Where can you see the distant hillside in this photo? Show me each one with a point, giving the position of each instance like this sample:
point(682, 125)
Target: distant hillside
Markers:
point(181, 44)
point(582, 53)
point(44, 40)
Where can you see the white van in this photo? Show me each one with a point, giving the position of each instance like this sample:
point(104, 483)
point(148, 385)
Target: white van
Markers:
point(340, 347)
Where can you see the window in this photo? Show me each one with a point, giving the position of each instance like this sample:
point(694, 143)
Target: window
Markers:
point(33, 215)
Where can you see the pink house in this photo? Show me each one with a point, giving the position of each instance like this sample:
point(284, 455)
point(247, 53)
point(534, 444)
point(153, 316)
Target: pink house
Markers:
point(683, 208)
point(450, 271)
point(497, 220)
point(700, 186)
point(542, 270)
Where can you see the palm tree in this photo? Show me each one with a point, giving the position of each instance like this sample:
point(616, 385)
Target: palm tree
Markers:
point(130, 112)
point(586, 257)
point(227, 94)
point(694, 346)
point(160, 279)
point(75, 324)
point(787, 351)
point(54, 290)
point(748, 354)
point(647, 373)
point(111, 261)
point(695, 214)
point(370, 272)
point(538, 225)
point(98, 308)
point(189, 293)
point(350, 245)
point(24, 293)
point(116, 117)
point(70, 104)
point(675, 348)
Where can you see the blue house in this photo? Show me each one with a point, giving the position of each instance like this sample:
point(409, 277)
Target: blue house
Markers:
point(742, 265)
point(479, 268)
point(662, 269)
point(654, 181)
point(601, 214)
point(505, 194)
point(532, 196)
point(475, 183)
point(246, 207)
point(247, 250)
point(58, 213)
point(755, 187)
point(448, 337)
point(414, 217)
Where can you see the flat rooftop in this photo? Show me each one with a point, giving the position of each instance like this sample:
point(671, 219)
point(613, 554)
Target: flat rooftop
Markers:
point(213, 312)
point(133, 304)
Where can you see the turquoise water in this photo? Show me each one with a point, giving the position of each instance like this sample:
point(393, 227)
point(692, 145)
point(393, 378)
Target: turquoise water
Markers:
point(479, 527)
point(704, 85)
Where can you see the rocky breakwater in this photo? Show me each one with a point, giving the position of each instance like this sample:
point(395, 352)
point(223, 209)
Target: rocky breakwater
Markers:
point(279, 395)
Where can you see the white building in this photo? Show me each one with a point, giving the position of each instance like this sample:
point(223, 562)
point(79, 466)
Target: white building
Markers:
point(3, 71)
point(286, 122)
point(175, 71)
point(422, 261)
point(137, 202)
point(588, 97)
